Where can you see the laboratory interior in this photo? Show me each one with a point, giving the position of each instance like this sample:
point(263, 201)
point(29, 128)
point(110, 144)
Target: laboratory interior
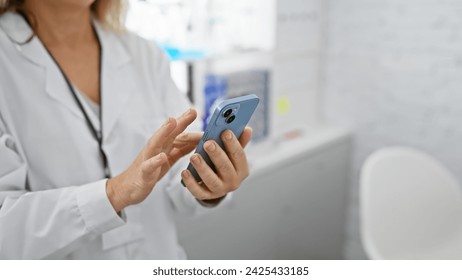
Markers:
point(354, 154)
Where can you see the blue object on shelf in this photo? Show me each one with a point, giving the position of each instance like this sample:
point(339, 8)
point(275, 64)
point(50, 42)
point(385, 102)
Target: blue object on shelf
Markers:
point(252, 82)
point(176, 54)
point(220, 87)
point(215, 90)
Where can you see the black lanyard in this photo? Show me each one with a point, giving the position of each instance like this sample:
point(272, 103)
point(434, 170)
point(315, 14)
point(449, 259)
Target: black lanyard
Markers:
point(98, 135)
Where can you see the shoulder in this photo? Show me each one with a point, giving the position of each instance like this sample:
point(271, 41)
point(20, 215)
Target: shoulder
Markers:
point(135, 42)
point(13, 31)
point(143, 51)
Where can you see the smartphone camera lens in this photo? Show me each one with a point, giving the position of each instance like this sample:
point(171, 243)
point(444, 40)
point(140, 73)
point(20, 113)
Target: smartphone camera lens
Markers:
point(227, 113)
point(230, 119)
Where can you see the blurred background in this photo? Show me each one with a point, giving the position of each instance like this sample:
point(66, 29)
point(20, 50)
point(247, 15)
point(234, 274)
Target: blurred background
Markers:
point(339, 80)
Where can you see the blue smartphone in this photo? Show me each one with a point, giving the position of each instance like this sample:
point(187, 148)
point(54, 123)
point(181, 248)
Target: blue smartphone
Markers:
point(232, 114)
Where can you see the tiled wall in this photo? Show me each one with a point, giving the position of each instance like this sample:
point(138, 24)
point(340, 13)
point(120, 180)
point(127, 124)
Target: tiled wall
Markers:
point(393, 74)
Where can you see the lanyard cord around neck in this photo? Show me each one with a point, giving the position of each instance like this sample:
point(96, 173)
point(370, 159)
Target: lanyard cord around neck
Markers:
point(98, 135)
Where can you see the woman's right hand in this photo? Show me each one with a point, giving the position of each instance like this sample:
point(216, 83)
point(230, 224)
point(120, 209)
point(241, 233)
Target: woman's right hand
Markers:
point(166, 146)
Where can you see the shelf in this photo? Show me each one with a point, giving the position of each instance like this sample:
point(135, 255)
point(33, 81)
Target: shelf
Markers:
point(221, 56)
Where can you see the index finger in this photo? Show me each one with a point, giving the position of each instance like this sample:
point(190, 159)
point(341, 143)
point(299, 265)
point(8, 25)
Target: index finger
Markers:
point(183, 122)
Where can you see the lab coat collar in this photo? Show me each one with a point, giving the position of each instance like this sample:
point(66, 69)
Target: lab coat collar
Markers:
point(117, 81)
point(19, 32)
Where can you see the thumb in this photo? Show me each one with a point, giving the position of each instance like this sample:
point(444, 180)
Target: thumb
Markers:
point(151, 168)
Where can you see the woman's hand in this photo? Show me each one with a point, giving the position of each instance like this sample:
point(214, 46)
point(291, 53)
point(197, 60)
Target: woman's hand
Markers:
point(166, 146)
point(231, 167)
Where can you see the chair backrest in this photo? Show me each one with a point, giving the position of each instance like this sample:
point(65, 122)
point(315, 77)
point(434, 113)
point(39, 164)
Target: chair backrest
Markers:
point(408, 202)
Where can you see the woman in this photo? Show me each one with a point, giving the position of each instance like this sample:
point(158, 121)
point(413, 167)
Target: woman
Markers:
point(87, 169)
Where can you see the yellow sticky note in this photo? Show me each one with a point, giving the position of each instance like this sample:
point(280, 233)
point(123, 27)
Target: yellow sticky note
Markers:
point(283, 105)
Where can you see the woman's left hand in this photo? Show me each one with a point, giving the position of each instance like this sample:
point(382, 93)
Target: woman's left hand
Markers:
point(231, 167)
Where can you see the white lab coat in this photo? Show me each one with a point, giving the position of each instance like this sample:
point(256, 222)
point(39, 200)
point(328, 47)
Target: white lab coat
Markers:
point(52, 192)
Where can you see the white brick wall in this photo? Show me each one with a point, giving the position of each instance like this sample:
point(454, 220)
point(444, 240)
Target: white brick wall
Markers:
point(393, 74)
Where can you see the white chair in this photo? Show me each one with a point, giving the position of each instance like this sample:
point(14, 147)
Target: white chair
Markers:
point(410, 207)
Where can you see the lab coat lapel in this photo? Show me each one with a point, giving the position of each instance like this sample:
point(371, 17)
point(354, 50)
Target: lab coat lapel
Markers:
point(117, 75)
point(117, 78)
point(58, 89)
point(19, 32)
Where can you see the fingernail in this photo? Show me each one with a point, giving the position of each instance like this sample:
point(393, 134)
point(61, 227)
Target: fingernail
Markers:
point(228, 135)
point(167, 122)
point(186, 113)
point(185, 173)
point(210, 147)
point(195, 159)
point(160, 157)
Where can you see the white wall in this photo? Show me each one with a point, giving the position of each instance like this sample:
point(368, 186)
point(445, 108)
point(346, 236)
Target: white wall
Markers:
point(393, 73)
point(296, 61)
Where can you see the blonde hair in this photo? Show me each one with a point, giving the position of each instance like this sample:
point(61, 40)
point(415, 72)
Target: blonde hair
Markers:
point(110, 13)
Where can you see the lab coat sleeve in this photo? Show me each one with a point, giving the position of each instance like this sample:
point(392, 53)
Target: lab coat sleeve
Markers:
point(177, 103)
point(49, 223)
